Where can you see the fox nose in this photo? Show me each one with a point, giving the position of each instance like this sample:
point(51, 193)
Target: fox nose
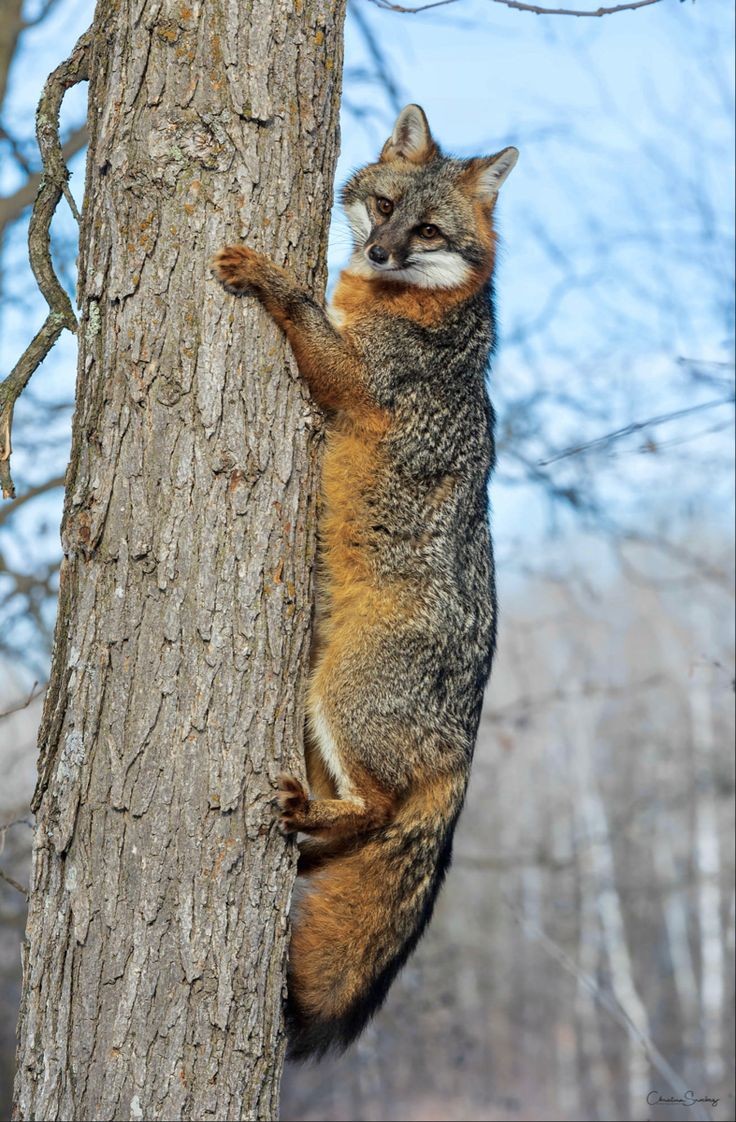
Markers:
point(378, 255)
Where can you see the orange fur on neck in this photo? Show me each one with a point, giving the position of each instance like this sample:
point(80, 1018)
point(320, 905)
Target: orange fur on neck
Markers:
point(356, 298)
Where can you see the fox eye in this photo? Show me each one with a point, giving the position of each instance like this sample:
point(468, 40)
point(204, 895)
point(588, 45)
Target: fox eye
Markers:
point(385, 206)
point(428, 230)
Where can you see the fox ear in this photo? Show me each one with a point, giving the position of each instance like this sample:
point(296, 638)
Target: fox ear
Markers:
point(489, 172)
point(411, 138)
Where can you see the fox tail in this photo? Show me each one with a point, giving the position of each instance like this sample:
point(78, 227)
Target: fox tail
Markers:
point(362, 915)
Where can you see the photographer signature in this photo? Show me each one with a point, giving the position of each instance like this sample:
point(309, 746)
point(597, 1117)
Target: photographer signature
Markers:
point(688, 1099)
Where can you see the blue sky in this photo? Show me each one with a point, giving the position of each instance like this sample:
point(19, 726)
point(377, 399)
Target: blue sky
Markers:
point(617, 228)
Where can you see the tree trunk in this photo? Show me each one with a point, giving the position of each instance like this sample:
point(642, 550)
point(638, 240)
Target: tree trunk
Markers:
point(157, 931)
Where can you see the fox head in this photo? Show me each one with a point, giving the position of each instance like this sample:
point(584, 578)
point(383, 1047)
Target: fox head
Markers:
point(421, 218)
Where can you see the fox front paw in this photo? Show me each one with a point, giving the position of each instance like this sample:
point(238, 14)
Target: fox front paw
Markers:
point(291, 803)
point(238, 268)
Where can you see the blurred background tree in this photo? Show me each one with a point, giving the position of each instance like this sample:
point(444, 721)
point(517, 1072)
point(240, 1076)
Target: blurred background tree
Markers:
point(582, 955)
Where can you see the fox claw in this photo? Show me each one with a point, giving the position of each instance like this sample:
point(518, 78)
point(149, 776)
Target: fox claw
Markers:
point(235, 267)
point(290, 803)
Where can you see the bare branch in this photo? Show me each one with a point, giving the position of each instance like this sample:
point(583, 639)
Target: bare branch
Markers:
point(11, 26)
point(9, 825)
point(15, 383)
point(47, 7)
point(16, 709)
point(518, 711)
point(608, 1001)
point(18, 154)
point(387, 6)
point(575, 11)
point(12, 206)
point(32, 492)
point(56, 174)
point(53, 186)
point(13, 883)
point(374, 50)
point(635, 426)
point(15, 822)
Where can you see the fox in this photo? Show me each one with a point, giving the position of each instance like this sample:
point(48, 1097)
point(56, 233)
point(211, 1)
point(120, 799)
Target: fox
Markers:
point(405, 616)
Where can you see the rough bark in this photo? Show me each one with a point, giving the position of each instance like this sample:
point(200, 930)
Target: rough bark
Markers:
point(157, 931)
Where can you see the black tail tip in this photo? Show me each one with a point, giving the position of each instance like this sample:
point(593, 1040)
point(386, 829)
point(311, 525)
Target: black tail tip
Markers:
point(310, 1042)
point(311, 1038)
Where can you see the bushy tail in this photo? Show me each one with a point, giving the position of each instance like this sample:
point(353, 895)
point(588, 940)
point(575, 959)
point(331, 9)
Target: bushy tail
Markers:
point(361, 917)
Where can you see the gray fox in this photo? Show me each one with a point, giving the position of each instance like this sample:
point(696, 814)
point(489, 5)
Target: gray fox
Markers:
point(405, 619)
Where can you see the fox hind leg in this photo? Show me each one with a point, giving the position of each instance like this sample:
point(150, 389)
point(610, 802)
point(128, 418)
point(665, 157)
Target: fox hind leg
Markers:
point(327, 818)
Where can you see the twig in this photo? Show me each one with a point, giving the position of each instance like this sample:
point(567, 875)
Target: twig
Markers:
point(13, 883)
point(575, 11)
point(698, 564)
point(388, 6)
point(520, 709)
point(541, 858)
point(53, 186)
point(635, 426)
point(12, 206)
point(17, 151)
point(610, 1003)
point(15, 822)
point(374, 50)
point(17, 708)
point(41, 16)
point(15, 383)
point(32, 493)
point(56, 174)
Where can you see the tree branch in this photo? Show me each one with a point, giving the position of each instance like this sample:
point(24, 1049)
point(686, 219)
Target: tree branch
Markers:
point(47, 7)
point(635, 426)
point(12, 206)
point(16, 709)
point(13, 883)
point(40, 489)
point(53, 186)
point(15, 383)
point(11, 26)
point(575, 11)
point(388, 6)
point(374, 50)
point(25, 821)
point(385, 6)
point(611, 1003)
point(17, 151)
point(17, 822)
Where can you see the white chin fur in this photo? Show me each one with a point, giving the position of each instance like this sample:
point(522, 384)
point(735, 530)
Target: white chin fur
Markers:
point(359, 221)
point(439, 269)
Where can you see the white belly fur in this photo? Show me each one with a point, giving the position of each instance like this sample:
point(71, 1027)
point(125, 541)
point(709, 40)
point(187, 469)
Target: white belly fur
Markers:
point(328, 750)
point(335, 316)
